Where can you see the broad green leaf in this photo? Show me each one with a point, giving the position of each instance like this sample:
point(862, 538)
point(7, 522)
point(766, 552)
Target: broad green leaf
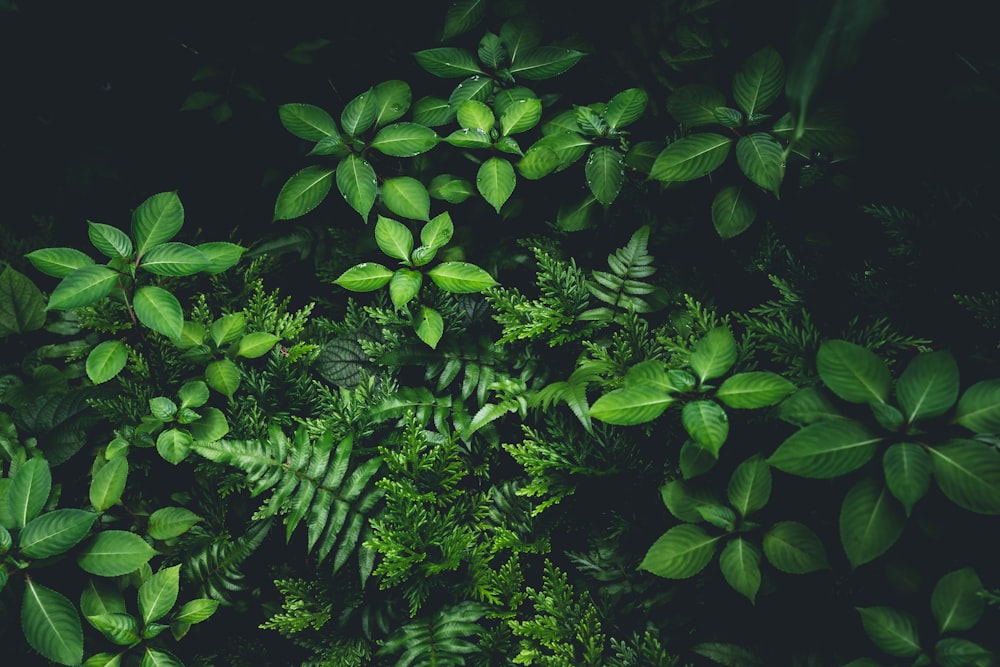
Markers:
point(221, 255)
point(474, 115)
point(695, 105)
point(119, 628)
point(808, 406)
point(680, 553)
point(692, 157)
point(223, 376)
point(641, 155)
point(520, 34)
point(572, 217)
point(450, 188)
point(28, 490)
point(156, 221)
point(825, 449)
point(756, 389)
point(826, 131)
point(740, 565)
point(170, 522)
point(106, 361)
point(762, 160)
point(364, 277)
point(852, 372)
point(308, 122)
point(392, 100)
point(683, 500)
point(893, 631)
point(728, 117)
point(474, 88)
point(433, 112)
point(305, 190)
point(958, 652)
point(54, 532)
point(605, 173)
point(447, 62)
point(51, 624)
point(492, 52)
point(158, 594)
point(794, 548)
point(407, 197)
point(193, 394)
point(227, 328)
point(631, 405)
point(732, 212)
point(429, 326)
point(543, 62)
point(720, 516)
point(968, 472)
point(462, 16)
point(695, 459)
point(714, 354)
point(404, 286)
point(332, 145)
point(103, 660)
point(359, 114)
point(929, 386)
point(256, 344)
point(356, 182)
point(174, 259)
point(58, 262)
point(707, 423)
point(461, 277)
point(114, 552)
point(750, 486)
point(196, 611)
point(108, 484)
point(956, 601)
point(154, 657)
point(625, 108)
point(110, 241)
point(162, 408)
point(520, 115)
point(174, 445)
point(438, 232)
point(870, 522)
point(495, 181)
point(538, 162)
point(211, 426)
point(979, 408)
point(83, 287)
point(568, 147)
point(101, 596)
point(469, 138)
point(22, 306)
point(159, 310)
point(404, 139)
point(759, 82)
point(907, 469)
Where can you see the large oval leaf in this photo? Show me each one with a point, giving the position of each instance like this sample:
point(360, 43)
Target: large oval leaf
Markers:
point(407, 197)
point(520, 115)
point(968, 472)
point(794, 548)
point(853, 372)
point(714, 354)
point(979, 408)
point(113, 553)
point(156, 221)
point(740, 565)
point(158, 594)
point(54, 532)
point(303, 192)
point(221, 255)
point(223, 376)
point(631, 405)
point(957, 603)
point(495, 181)
point(762, 160)
point(51, 624)
point(808, 406)
point(58, 262)
point(118, 627)
point(364, 277)
point(392, 99)
point(404, 286)
point(159, 310)
point(825, 449)
point(605, 173)
point(28, 491)
point(394, 238)
point(750, 486)
point(106, 361)
point(929, 386)
point(169, 522)
point(438, 232)
point(707, 423)
point(429, 326)
point(83, 287)
point(907, 469)
point(732, 212)
point(356, 182)
point(404, 140)
point(433, 112)
point(174, 259)
point(759, 82)
point(692, 157)
point(461, 16)
point(870, 522)
point(681, 552)
point(756, 389)
point(461, 277)
point(893, 631)
point(447, 62)
point(308, 122)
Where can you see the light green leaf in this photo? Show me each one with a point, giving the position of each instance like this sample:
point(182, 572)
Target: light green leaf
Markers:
point(462, 16)
point(51, 624)
point(101, 596)
point(852, 372)
point(568, 147)
point(605, 173)
point(359, 114)
point(707, 423)
point(119, 628)
point(332, 145)
point(211, 426)
point(759, 82)
point(392, 99)
point(58, 262)
point(227, 328)
point(692, 157)
point(174, 445)
point(83, 287)
point(110, 241)
point(520, 115)
point(461, 277)
point(256, 344)
point(54, 532)
point(223, 376)
point(304, 191)
point(756, 389)
point(356, 182)
point(404, 139)
point(695, 460)
point(114, 552)
point(929, 386)
point(543, 62)
point(680, 553)
point(695, 105)
point(968, 472)
point(469, 138)
point(825, 449)
point(870, 522)
point(956, 601)
point(156, 221)
point(162, 408)
point(193, 394)
point(404, 286)
point(714, 354)
point(170, 522)
point(364, 277)
point(474, 115)
point(174, 259)
point(450, 188)
point(893, 631)
point(406, 197)
point(433, 112)
point(474, 88)
point(196, 611)
point(221, 255)
point(538, 162)
point(159, 310)
point(28, 490)
point(446, 62)
point(907, 472)
point(22, 306)
point(625, 108)
point(438, 232)
point(103, 660)
point(762, 160)
point(979, 408)
point(153, 657)
point(732, 212)
point(495, 181)
point(108, 483)
point(794, 548)
point(740, 565)
point(808, 406)
point(750, 486)
point(158, 594)
point(106, 361)
point(429, 326)
point(631, 405)
point(308, 122)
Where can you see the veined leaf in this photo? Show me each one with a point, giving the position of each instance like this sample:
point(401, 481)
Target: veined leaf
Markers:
point(808, 406)
point(174, 445)
point(110, 241)
point(870, 522)
point(683, 500)
point(631, 405)
point(356, 182)
point(196, 611)
point(407, 197)
point(108, 484)
point(223, 376)
point(174, 259)
point(461, 277)
point(695, 460)
point(979, 408)
point(429, 326)
point(707, 423)
point(495, 181)
point(308, 122)
point(159, 310)
point(732, 212)
point(852, 372)
point(450, 188)
point(169, 522)
point(154, 657)
point(474, 115)
point(476, 87)
point(762, 160)
point(519, 35)
point(118, 627)
point(625, 108)
point(83, 287)
point(695, 105)
point(756, 389)
point(692, 157)
point(394, 238)
point(543, 62)
point(907, 472)
point(740, 565)
point(968, 472)
point(54, 532)
point(364, 277)
point(28, 490)
point(51, 625)
point(825, 449)
point(447, 62)
point(680, 553)
point(404, 139)
point(404, 286)
point(750, 486)
point(359, 114)
point(114, 552)
point(956, 601)
point(221, 255)
point(714, 354)
point(958, 652)
point(462, 16)
point(759, 82)
point(469, 138)
point(256, 344)
point(438, 232)
point(106, 361)
point(58, 262)
point(228, 328)
point(893, 631)
point(392, 100)
point(22, 306)
point(794, 548)
point(212, 425)
point(520, 115)
point(433, 112)
point(492, 52)
point(156, 221)
point(304, 191)
point(158, 594)
point(929, 386)
point(605, 173)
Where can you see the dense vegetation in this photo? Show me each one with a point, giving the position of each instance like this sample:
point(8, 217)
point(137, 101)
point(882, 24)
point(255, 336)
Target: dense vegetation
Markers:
point(485, 333)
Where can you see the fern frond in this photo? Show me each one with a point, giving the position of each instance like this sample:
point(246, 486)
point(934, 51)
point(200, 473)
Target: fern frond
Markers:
point(216, 568)
point(573, 390)
point(624, 287)
point(442, 640)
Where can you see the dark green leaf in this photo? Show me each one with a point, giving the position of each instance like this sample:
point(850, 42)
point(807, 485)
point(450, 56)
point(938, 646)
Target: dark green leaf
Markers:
point(759, 82)
point(605, 173)
point(707, 423)
point(433, 112)
point(113, 553)
point(740, 565)
point(826, 449)
point(356, 182)
point(907, 469)
point(853, 372)
point(692, 157)
point(870, 522)
point(447, 62)
point(462, 16)
point(680, 553)
point(51, 624)
point(893, 631)
point(968, 472)
point(83, 287)
point(956, 601)
point(929, 386)
point(54, 532)
point(304, 191)
point(22, 306)
point(762, 160)
point(694, 105)
point(794, 548)
point(732, 212)
point(979, 408)
point(750, 486)
point(392, 99)
point(28, 490)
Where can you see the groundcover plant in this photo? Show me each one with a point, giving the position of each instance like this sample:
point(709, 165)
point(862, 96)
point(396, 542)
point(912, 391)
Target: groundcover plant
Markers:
point(549, 353)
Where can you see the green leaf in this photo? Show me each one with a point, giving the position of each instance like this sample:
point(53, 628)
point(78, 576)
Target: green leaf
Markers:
point(631, 405)
point(852, 372)
point(221, 255)
point(304, 191)
point(827, 130)
point(893, 631)
point(174, 259)
point(870, 522)
point(158, 594)
point(359, 114)
point(51, 625)
point(256, 344)
point(307, 122)
point(825, 449)
point(957, 652)
point(433, 112)
point(956, 601)
point(808, 406)
point(762, 160)
point(707, 423)
point(714, 354)
point(462, 16)
point(907, 469)
point(83, 287)
point(538, 162)
point(429, 326)
point(110, 241)
point(108, 484)
point(193, 394)
point(495, 181)
point(750, 486)
point(407, 197)
point(196, 611)
point(227, 328)
point(683, 501)
point(438, 232)
point(625, 108)
point(211, 426)
point(28, 490)
point(332, 145)
point(477, 88)
point(174, 445)
point(605, 173)
point(159, 310)
point(759, 82)
point(163, 408)
point(101, 596)
point(404, 139)
point(58, 262)
point(106, 361)
point(170, 522)
point(153, 657)
point(450, 188)
point(54, 532)
point(732, 213)
point(469, 138)
point(728, 117)
point(520, 115)
point(695, 105)
point(740, 565)
point(756, 389)
point(156, 221)
point(356, 182)
point(573, 217)
point(114, 552)
point(103, 660)
point(519, 35)
point(392, 99)
point(543, 62)
point(794, 548)
point(119, 628)
point(979, 408)
point(223, 376)
point(695, 459)
point(22, 306)
point(461, 277)
point(692, 157)
point(680, 553)
point(568, 147)
point(447, 62)
point(474, 115)
point(968, 473)
point(929, 386)
point(404, 286)
point(364, 277)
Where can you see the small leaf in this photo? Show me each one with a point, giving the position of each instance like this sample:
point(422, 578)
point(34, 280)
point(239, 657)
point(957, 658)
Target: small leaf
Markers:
point(22, 306)
point(605, 173)
point(256, 344)
point(740, 565)
point(404, 140)
point(223, 376)
point(159, 310)
point(957, 652)
point(478, 88)
point(109, 483)
point(474, 115)
point(106, 361)
point(221, 255)
point(759, 82)
point(158, 594)
point(852, 372)
point(51, 624)
point(692, 157)
point(625, 108)
point(543, 62)
point(461, 277)
point(433, 112)
point(174, 259)
point(308, 122)
point(808, 406)
point(227, 328)
point(174, 445)
point(364, 277)
point(156, 221)
point(956, 601)
point(520, 115)
point(356, 182)
point(429, 326)
point(732, 212)
point(28, 491)
point(762, 160)
point(750, 486)
point(193, 394)
point(707, 423)
point(196, 611)
point(695, 460)
point(929, 386)
point(359, 114)
point(462, 16)
point(893, 631)
point(495, 181)
point(979, 408)
point(110, 241)
point(170, 522)
point(406, 197)
point(404, 286)
point(870, 522)
point(114, 552)
point(756, 389)
point(714, 354)
point(212, 425)
point(392, 99)
point(694, 105)
point(907, 472)
point(83, 287)
point(825, 449)
point(119, 628)
point(438, 232)
point(794, 548)
point(303, 192)
point(680, 553)
point(450, 188)
point(153, 657)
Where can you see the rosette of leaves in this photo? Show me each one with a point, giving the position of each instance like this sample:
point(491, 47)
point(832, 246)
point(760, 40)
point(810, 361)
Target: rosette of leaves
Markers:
point(686, 549)
point(956, 605)
point(921, 436)
point(135, 273)
point(405, 283)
